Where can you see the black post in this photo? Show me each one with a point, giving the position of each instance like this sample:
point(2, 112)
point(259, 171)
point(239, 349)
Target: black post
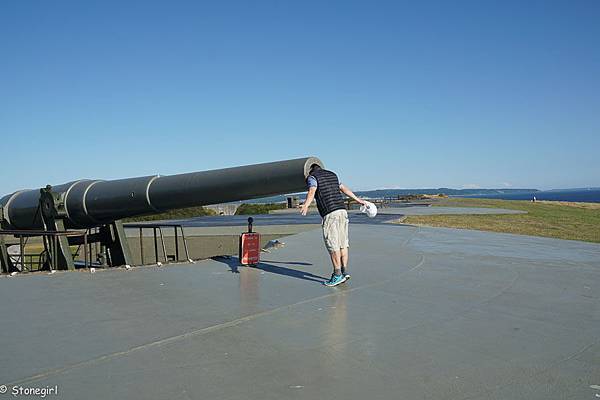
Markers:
point(141, 246)
point(176, 245)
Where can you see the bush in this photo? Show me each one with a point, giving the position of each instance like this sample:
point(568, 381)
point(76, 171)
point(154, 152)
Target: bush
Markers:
point(254, 209)
point(182, 213)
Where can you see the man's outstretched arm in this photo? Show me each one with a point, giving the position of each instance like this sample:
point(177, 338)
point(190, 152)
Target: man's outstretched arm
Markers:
point(310, 196)
point(349, 193)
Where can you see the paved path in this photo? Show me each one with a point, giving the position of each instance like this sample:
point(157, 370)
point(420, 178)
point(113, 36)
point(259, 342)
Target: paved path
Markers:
point(448, 210)
point(429, 314)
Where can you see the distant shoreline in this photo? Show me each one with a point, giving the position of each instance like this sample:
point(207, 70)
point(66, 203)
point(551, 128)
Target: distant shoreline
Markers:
point(579, 196)
point(586, 195)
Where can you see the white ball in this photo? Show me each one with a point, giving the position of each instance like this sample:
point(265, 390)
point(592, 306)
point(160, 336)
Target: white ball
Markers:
point(369, 208)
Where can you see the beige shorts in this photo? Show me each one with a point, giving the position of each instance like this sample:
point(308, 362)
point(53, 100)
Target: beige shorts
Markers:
point(335, 230)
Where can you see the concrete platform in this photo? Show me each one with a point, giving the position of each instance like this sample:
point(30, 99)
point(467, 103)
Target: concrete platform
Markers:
point(218, 235)
point(429, 314)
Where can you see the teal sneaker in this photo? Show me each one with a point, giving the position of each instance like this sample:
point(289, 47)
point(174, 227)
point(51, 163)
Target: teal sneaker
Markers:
point(346, 274)
point(335, 280)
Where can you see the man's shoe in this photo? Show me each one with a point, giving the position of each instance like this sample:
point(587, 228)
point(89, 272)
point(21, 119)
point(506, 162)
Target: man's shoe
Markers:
point(347, 275)
point(335, 280)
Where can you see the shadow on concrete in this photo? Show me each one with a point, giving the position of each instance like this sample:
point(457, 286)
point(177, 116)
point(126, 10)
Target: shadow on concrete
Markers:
point(234, 264)
point(288, 262)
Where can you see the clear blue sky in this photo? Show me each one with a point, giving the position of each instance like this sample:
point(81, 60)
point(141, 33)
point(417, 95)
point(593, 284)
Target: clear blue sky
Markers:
point(389, 94)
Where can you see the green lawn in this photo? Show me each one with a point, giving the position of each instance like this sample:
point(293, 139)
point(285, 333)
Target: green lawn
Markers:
point(573, 221)
point(182, 213)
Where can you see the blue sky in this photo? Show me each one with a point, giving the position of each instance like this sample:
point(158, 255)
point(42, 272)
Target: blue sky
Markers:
point(388, 94)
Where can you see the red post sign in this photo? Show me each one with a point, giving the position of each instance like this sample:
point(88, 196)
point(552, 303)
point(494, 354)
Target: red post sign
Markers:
point(250, 248)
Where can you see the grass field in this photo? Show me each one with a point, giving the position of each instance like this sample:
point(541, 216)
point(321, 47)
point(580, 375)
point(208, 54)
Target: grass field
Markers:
point(572, 221)
point(181, 213)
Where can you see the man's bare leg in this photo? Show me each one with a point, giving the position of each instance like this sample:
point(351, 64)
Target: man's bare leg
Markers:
point(336, 260)
point(344, 258)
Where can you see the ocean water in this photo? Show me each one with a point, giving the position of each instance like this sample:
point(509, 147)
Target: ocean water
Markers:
point(582, 195)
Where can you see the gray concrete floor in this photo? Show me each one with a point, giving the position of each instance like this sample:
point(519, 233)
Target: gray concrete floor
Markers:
point(428, 314)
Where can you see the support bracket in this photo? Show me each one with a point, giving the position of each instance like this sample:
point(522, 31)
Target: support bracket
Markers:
point(6, 264)
point(114, 238)
point(53, 212)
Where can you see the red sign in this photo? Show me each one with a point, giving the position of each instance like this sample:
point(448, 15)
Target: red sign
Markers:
point(250, 248)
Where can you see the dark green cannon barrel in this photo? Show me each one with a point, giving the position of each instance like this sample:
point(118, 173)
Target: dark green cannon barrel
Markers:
point(90, 203)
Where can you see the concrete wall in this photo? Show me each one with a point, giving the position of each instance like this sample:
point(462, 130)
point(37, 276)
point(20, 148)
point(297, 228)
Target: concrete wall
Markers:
point(199, 247)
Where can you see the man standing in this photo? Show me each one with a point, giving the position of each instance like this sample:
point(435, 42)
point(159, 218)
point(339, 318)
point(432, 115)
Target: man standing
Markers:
point(325, 187)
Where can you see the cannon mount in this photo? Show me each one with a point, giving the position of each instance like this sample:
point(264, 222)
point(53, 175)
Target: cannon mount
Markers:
point(91, 211)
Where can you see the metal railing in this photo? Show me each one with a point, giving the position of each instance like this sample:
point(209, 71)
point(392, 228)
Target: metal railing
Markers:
point(24, 262)
point(157, 230)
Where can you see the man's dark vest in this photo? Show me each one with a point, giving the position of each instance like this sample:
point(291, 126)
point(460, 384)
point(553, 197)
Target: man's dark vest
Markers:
point(328, 196)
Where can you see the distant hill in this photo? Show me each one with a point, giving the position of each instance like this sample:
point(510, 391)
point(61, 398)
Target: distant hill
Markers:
point(381, 193)
point(447, 191)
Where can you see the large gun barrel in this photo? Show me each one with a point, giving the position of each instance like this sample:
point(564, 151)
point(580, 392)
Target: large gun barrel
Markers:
point(91, 203)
